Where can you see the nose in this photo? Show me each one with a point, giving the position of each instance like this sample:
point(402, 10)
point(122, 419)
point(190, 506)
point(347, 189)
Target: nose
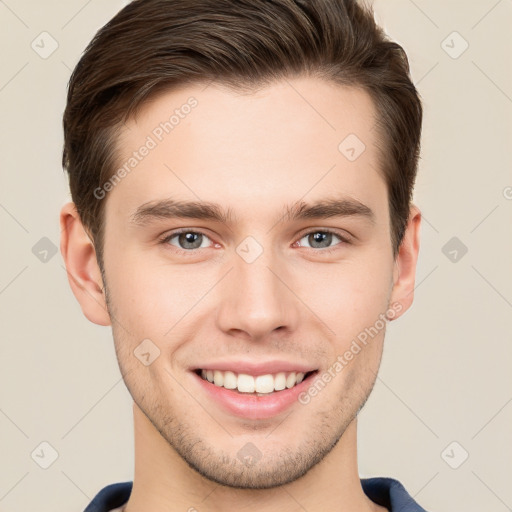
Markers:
point(257, 298)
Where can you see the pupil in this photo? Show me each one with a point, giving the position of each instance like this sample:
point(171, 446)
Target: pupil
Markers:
point(322, 237)
point(190, 238)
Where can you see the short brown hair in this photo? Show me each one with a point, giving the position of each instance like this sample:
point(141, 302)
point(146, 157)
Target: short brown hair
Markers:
point(153, 45)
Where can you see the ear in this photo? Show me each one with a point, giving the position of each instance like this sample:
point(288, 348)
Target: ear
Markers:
point(84, 274)
point(404, 273)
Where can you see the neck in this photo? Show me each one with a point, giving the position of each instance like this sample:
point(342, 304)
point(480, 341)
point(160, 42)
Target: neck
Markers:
point(163, 482)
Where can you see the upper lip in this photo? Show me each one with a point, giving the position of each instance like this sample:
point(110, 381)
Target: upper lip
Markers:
point(256, 368)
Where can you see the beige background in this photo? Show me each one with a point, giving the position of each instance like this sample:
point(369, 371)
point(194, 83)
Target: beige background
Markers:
point(445, 375)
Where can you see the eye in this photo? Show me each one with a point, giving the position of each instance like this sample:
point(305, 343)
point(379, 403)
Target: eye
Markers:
point(322, 239)
point(186, 240)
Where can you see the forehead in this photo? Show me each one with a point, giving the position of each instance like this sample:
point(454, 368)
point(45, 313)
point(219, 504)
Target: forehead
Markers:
point(301, 139)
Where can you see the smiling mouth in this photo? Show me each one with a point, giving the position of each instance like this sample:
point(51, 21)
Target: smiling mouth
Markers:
point(261, 385)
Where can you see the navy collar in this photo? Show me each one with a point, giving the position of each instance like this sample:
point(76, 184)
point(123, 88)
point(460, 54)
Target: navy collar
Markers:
point(386, 492)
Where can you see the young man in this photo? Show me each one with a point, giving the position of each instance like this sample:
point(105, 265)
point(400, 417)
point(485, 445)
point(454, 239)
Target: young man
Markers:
point(241, 175)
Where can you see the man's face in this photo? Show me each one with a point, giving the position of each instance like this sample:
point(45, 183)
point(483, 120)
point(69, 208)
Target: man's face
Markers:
point(262, 286)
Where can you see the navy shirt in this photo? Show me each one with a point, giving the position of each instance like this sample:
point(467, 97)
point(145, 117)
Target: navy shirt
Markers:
point(387, 492)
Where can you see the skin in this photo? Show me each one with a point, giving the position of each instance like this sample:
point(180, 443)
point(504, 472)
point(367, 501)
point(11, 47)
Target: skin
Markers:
point(253, 153)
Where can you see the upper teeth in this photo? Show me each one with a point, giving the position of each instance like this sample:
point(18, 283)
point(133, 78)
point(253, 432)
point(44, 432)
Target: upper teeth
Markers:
point(249, 384)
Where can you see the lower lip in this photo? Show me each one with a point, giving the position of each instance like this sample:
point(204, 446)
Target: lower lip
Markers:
point(254, 407)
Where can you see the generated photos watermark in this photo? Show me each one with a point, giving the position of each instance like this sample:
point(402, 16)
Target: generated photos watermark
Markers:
point(152, 140)
point(358, 343)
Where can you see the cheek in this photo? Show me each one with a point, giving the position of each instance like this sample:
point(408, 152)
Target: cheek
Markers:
point(350, 294)
point(150, 297)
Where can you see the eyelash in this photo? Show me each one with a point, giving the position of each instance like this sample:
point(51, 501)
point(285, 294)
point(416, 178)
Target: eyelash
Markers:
point(169, 236)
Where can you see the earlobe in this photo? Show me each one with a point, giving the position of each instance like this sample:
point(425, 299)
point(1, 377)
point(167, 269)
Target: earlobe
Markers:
point(83, 272)
point(404, 273)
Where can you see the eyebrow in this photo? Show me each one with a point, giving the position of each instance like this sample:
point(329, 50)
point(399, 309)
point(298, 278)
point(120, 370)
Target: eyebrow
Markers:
point(199, 210)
